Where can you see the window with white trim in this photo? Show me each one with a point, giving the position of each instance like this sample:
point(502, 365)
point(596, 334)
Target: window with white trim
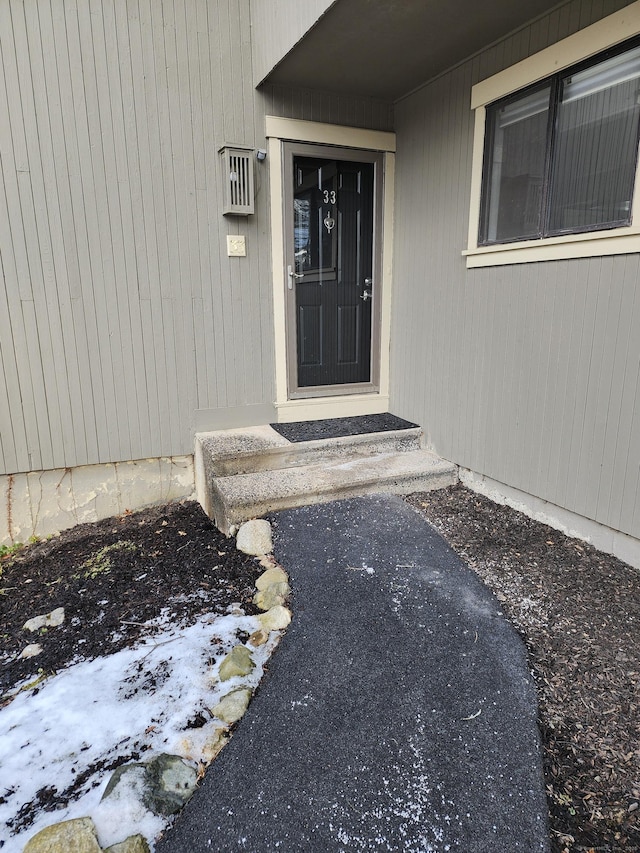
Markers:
point(560, 157)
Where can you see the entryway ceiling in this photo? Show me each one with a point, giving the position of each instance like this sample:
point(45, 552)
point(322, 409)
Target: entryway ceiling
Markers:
point(385, 48)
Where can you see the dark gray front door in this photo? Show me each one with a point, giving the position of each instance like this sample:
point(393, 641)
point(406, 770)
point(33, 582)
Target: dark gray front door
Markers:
point(332, 270)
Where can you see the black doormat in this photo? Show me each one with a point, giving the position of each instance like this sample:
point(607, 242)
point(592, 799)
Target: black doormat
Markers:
point(339, 427)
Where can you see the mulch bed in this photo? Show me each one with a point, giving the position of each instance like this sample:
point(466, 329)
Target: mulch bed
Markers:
point(112, 577)
point(577, 609)
point(578, 612)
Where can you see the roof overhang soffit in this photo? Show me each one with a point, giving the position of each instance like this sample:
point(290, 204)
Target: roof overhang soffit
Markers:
point(386, 48)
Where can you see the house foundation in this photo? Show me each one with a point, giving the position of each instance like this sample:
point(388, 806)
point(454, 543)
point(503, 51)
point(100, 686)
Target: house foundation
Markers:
point(41, 503)
point(604, 538)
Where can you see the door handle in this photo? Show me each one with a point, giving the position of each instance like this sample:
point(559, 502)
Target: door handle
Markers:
point(293, 275)
point(366, 295)
point(368, 281)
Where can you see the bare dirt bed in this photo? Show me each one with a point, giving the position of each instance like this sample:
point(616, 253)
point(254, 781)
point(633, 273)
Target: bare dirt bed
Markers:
point(578, 611)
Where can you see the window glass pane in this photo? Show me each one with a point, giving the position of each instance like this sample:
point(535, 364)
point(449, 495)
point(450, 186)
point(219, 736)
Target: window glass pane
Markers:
point(594, 159)
point(314, 243)
point(515, 168)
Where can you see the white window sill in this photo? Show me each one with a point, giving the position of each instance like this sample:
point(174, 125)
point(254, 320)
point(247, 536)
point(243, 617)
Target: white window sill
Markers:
point(621, 241)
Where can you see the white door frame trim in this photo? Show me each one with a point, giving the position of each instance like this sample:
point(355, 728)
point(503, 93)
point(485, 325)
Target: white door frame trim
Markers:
point(279, 130)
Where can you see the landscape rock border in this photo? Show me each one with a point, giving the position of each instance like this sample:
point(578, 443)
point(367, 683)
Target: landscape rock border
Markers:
point(160, 788)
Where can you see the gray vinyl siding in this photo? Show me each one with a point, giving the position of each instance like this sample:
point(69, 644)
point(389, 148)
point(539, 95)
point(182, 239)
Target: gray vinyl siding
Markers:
point(113, 246)
point(277, 26)
point(123, 323)
point(313, 105)
point(528, 373)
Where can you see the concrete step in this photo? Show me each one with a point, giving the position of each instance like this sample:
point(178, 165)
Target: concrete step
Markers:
point(261, 448)
point(249, 472)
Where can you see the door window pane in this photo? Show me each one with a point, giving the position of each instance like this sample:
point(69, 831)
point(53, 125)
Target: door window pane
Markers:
point(313, 205)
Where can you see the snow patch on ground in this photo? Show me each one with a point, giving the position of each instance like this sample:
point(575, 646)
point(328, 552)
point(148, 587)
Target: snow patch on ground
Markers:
point(134, 704)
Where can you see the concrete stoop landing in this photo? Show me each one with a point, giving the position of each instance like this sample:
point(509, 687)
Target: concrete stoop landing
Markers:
point(249, 472)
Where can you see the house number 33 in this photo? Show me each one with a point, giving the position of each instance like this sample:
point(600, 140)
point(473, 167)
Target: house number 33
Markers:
point(329, 197)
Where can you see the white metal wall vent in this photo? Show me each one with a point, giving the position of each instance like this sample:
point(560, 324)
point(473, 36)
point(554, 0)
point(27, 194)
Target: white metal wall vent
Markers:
point(237, 169)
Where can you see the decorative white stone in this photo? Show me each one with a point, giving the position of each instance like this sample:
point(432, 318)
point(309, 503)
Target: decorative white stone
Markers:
point(173, 783)
point(270, 596)
point(259, 637)
point(237, 662)
point(31, 651)
point(133, 844)
point(70, 836)
point(275, 619)
point(254, 537)
point(47, 620)
point(274, 574)
point(233, 705)
point(213, 744)
point(163, 784)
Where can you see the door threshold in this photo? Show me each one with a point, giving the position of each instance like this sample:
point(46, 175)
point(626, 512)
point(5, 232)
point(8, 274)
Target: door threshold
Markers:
point(319, 408)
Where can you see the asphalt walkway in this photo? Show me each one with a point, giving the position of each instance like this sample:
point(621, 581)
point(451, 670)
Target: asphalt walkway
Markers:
point(398, 713)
